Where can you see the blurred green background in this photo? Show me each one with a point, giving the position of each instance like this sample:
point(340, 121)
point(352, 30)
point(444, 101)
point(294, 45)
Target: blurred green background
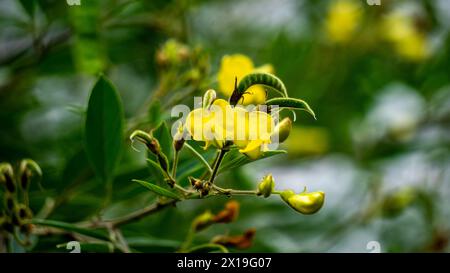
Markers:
point(378, 78)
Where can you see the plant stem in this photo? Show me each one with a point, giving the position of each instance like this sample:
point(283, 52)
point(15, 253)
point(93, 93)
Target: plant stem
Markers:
point(217, 165)
point(199, 156)
point(233, 191)
point(175, 163)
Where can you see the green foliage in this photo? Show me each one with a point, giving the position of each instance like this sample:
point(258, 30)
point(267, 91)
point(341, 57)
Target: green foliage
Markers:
point(158, 190)
point(104, 129)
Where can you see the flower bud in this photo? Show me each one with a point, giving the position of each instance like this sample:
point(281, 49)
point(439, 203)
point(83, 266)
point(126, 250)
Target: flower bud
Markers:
point(266, 186)
point(151, 142)
point(179, 138)
point(203, 221)
point(27, 168)
point(394, 203)
point(282, 130)
point(8, 177)
point(228, 214)
point(208, 98)
point(239, 241)
point(305, 203)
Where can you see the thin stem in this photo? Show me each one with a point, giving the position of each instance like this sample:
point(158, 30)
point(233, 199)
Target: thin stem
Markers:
point(233, 191)
point(199, 156)
point(175, 163)
point(217, 165)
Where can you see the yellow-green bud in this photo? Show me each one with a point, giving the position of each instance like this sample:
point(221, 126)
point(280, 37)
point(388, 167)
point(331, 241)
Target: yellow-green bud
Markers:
point(208, 98)
point(7, 177)
point(151, 142)
point(396, 202)
point(266, 186)
point(282, 130)
point(203, 221)
point(27, 168)
point(179, 138)
point(305, 203)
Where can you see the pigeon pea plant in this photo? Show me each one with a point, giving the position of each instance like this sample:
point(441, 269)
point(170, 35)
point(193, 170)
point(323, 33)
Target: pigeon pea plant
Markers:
point(239, 135)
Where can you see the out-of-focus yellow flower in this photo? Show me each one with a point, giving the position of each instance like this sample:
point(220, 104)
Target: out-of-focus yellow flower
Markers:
point(248, 130)
point(307, 141)
point(408, 41)
point(238, 66)
point(342, 20)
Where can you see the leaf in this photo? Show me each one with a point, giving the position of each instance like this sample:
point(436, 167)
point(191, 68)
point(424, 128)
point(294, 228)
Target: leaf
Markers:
point(156, 171)
point(72, 228)
point(234, 159)
point(158, 190)
point(251, 79)
point(291, 103)
point(162, 133)
point(104, 128)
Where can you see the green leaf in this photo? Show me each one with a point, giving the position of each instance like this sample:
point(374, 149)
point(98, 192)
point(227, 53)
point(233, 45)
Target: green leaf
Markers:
point(158, 190)
point(156, 171)
point(104, 129)
point(233, 159)
point(251, 79)
point(72, 228)
point(291, 103)
point(164, 137)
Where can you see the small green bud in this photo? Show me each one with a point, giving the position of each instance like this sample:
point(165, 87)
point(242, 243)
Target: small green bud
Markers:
point(8, 177)
point(305, 203)
point(282, 130)
point(203, 221)
point(151, 142)
point(27, 168)
point(266, 186)
point(208, 98)
point(179, 138)
point(394, 203)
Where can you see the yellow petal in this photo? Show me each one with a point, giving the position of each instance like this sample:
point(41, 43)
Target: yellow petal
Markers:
point(255, 95)
point(233, 66)
point(199, 124)
point(253, 150)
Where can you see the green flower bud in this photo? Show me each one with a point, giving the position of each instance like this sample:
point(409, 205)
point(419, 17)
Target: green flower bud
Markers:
point(151, 142)
point(305, 203)
point(179, 138)
point(27, 168)
point(266, 186)
point(203, 221)
point(7, 178)
point(396, 202)
point(208, 98)
point(282, 130)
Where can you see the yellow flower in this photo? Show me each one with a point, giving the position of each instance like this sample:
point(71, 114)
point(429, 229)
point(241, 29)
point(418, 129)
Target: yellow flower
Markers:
point(238, 66)
point(409, 43)
point(342, 20)
point(248, 130)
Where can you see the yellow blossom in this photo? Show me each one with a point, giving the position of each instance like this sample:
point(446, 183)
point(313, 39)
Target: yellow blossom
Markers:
point(238, 66)
point(248, 130)
point(342, 20)
point(408, 41)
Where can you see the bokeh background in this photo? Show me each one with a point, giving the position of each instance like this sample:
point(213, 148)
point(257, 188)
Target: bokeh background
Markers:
point(378, 78)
